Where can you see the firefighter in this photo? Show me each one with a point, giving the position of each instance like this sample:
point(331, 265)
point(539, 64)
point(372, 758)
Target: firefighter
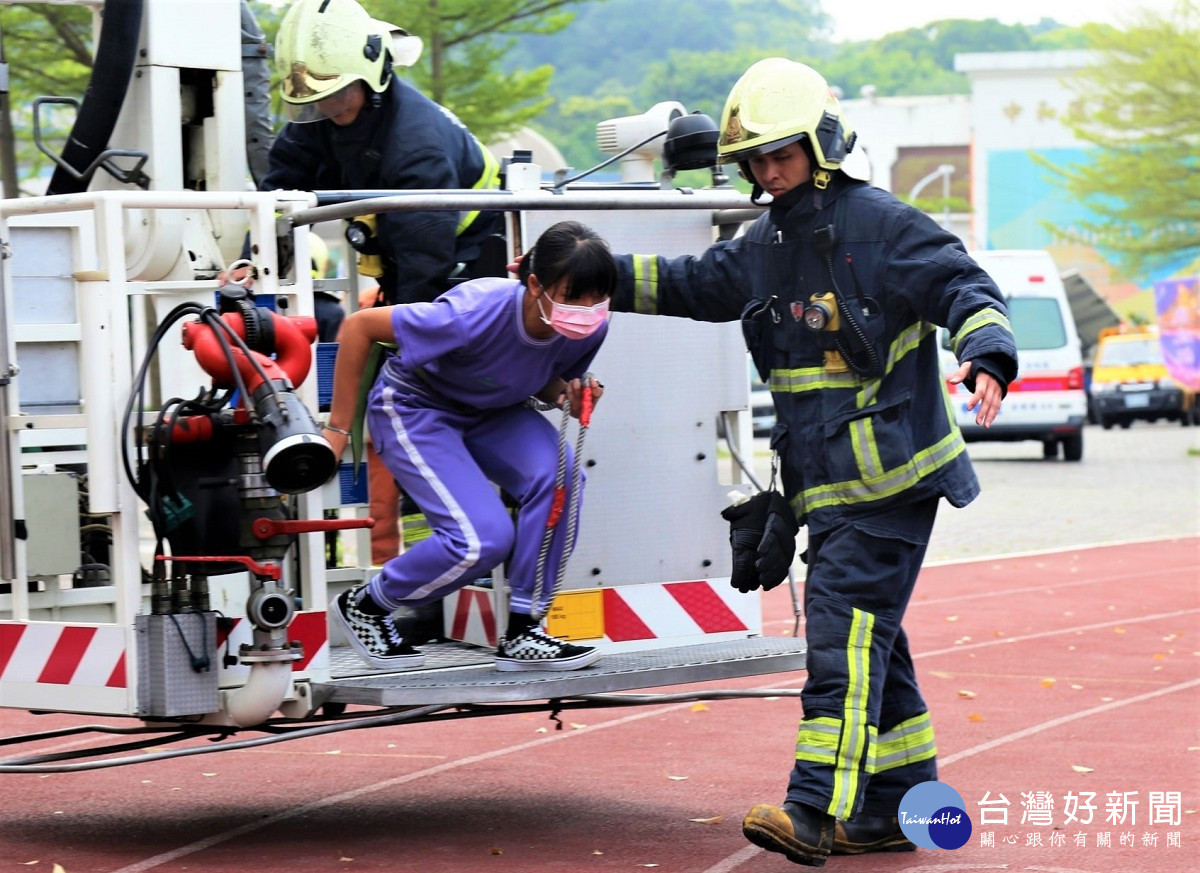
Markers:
point(449, 416)
point(356, 125)
point(838, 287)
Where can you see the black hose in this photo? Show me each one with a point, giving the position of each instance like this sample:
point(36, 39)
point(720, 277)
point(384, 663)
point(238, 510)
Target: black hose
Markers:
point(116, 54)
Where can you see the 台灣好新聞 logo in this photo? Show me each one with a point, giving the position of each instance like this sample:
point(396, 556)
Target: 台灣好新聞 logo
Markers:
point(934, 816)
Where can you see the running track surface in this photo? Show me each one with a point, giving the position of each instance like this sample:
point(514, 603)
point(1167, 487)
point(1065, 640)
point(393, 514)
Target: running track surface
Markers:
point(1073, 671)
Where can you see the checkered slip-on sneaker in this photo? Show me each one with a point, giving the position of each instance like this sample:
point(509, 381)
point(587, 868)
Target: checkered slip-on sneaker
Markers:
point(534, 649)
point(374, 637)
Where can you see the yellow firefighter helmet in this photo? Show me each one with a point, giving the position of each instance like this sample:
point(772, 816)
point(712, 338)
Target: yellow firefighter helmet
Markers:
point(325, 46)
point(777, 102)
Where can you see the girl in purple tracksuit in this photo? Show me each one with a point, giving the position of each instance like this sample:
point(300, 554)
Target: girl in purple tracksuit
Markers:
point(449, 416)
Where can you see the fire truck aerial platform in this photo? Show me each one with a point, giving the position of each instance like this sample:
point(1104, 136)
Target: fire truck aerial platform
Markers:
point(175, 523)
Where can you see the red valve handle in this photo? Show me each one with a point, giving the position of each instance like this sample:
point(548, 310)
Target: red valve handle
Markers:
point(265, 528)
point(269, 571)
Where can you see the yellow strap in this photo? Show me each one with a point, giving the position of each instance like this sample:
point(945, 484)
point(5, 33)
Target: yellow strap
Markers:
point(490, 178)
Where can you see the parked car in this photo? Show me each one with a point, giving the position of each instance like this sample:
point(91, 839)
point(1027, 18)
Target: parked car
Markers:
point(1047, 401)
point(1130, 380)
point(762, 407)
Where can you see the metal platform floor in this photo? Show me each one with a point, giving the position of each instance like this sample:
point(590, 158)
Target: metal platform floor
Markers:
point(459, 674)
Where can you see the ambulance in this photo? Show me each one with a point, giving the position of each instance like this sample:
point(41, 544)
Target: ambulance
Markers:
point(1047, 402)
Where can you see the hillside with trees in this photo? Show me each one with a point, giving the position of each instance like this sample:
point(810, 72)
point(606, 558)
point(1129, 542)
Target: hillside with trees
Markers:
point(620, 57)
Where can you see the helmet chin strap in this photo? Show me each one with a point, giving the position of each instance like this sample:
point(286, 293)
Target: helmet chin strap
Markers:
point(756, 191)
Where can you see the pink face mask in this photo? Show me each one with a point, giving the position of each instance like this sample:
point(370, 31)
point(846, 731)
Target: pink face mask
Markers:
point(574, 322)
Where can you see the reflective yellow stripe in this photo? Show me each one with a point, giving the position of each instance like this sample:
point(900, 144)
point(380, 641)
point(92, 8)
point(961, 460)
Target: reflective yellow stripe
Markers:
point(489, 178)
point(982, 318)
point(908, 340)
point(888, 483)
point(817, 740)
point(809, 379)
point(645, 284)
point(855, 746)
point(907, 743)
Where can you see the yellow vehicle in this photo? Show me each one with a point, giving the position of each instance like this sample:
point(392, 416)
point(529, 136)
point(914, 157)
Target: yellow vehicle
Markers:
point(1130, 380)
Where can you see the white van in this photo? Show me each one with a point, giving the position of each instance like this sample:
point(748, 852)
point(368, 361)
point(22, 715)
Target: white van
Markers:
point(1047, 402)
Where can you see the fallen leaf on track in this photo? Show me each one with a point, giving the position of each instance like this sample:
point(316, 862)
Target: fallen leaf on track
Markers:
point(716, 819)
point(966, 695)
point(1079, 769)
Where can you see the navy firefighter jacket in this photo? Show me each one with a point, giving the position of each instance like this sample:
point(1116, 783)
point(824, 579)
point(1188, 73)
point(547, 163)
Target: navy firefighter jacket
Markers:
point(863, 419)
point(407, 141)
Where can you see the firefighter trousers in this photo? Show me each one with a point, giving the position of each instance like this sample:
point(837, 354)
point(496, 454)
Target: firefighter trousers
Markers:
point(866, 737)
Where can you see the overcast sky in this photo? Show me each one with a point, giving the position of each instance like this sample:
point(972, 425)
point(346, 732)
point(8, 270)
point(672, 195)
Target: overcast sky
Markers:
point(873, 18)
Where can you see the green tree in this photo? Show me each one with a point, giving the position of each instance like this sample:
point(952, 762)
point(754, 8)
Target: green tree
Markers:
point(1140, 110)
point(465, 42)
point(49, 54)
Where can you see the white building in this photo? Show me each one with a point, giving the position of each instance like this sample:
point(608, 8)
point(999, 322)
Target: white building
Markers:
point(994, 140)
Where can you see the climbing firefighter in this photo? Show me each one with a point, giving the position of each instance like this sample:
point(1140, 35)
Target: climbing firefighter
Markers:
point(839, 287)
point(356, 125)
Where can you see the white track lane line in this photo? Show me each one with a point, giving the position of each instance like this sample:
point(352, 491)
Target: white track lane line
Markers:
point(1030, 589)
point(1060, 632)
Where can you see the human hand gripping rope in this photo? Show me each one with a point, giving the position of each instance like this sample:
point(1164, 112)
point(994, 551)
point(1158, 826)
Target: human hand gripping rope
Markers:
point(587, 399)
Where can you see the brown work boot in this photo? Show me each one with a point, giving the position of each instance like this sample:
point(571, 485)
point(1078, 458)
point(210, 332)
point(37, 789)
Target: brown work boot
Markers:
point(802, 834)
point(870, 833)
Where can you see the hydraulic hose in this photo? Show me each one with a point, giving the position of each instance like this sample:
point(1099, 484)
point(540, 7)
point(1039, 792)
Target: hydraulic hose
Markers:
point(116, 54)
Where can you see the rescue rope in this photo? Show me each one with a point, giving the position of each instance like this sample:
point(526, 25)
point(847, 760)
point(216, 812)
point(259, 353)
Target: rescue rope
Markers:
point(560, 498)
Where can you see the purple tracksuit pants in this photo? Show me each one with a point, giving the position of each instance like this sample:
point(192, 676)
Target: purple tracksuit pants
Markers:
point(451, 462)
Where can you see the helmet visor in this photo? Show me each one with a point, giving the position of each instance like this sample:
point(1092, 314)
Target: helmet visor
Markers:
point(327, 107)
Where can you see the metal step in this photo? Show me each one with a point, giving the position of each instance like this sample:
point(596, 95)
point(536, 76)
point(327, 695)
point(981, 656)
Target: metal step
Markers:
point(460, 674)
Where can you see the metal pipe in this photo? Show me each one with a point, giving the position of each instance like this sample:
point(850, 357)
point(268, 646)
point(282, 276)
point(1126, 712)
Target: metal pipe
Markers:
point(8, 558)
point(264, 691)
point(463, 200)
point(250, 200)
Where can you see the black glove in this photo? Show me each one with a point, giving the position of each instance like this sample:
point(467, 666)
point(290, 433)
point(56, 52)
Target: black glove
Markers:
point(778, 544)
point(761, 542)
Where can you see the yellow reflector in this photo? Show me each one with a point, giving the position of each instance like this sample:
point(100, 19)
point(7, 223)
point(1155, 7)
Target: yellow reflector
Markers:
point(577, 615)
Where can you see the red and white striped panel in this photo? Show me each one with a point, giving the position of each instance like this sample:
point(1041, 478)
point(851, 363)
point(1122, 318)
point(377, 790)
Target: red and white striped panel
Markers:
point(45, 653)
point(308, 628)
point(635, 616)
point(469, 616)
point(678, 609)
